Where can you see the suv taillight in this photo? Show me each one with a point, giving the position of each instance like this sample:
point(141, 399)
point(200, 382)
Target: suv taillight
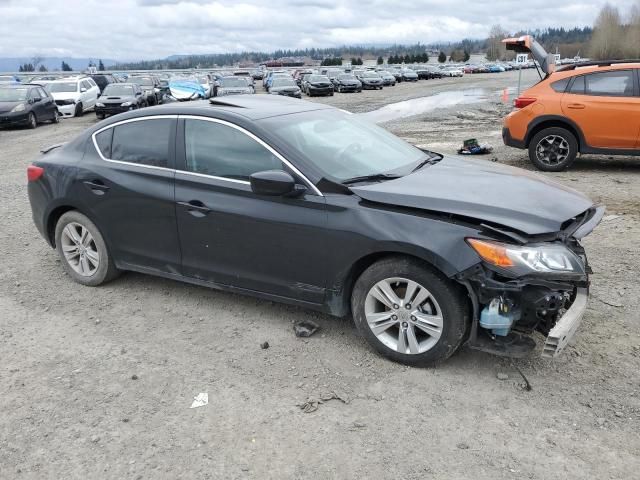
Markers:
point(34, 173)
point(522, 102)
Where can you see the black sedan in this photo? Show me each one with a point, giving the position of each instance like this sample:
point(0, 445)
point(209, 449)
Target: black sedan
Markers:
point(26, 105)
point(303, 203)
point(317, 85)
point(118, 98)
point(286, 87)
point(371, 80)
point(347, 83)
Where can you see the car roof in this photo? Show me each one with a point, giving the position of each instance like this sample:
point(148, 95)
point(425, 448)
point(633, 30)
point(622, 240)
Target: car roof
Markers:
point(252, 107)
point(577, 69)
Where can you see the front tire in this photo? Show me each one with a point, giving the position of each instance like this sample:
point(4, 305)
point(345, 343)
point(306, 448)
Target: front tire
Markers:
point(32, 121)
point(79, 110)
point(553, 149)
point(408, 312)
point(83, 251)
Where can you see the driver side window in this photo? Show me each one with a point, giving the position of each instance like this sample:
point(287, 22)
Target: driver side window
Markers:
point(219, 150)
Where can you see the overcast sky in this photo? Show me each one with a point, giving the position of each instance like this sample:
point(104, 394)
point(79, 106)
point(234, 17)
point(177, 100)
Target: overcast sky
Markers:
point(149, 29)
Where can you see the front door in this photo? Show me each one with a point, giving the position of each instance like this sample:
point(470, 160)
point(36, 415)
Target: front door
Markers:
point(606, 107)
point(231, 236)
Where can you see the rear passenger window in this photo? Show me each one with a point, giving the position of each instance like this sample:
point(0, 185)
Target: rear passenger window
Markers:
point(561, 85)
point(616, 83)
point(145, 142)
point(103, 139)
point(578, 85)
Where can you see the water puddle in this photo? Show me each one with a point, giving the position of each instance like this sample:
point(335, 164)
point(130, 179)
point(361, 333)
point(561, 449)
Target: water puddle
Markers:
point(416, 106)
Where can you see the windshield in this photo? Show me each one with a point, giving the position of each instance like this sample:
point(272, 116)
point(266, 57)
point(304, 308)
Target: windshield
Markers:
point(234, 82)
point(318, 78)
point(346, 77)
point(343, 146)
point(118, 90)
point(143, 81)
point(63, 87)
point(13, 94)
point(283, 82)
point(370, 75)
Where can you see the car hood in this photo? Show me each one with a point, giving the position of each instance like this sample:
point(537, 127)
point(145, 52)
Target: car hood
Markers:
point(485, 191)
point(117, 99)
point(8, 106)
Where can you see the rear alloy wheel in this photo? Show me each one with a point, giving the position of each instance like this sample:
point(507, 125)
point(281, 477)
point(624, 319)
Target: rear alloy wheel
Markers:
point(553, 149)
point(83, 251)
point(409, 313)
point(32, 121)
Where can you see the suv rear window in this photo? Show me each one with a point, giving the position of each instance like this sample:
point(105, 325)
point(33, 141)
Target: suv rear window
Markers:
point(616, 83)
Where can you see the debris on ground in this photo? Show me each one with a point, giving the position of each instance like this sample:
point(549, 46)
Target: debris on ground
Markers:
point(472, 147)
point(502, 376)
point(608, 302)
point(305, 328)
point(608, 218)
point(264, 345)
point(200, 400)
point(526, 385)
point(312, 404)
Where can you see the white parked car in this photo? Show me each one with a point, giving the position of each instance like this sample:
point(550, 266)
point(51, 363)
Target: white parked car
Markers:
point(73, 95)
point(453, 72)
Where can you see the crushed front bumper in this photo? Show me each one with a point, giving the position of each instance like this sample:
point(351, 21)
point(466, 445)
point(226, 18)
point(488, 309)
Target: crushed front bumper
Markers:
point(566, 326)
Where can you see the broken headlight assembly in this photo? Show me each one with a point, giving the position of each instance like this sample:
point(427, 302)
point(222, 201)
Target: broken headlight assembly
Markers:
point(521, 260)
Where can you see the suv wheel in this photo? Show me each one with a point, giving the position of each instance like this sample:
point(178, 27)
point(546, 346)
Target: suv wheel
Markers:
point(409, 313)
point(553, 149)
point(83, 251)
point(79, 110)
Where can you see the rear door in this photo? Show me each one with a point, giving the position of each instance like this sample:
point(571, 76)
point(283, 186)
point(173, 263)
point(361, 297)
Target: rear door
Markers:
point(606, 107)
point(231, 236)
point(125, 183)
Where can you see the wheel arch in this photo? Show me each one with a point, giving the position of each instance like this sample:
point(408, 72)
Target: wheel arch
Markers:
point(54, 215)
point(339, 297)
point(550, 121)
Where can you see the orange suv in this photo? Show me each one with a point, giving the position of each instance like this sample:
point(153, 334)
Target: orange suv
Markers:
point(581, 108)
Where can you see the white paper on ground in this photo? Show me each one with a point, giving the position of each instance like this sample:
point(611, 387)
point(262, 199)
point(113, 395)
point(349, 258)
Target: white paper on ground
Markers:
point(200, 400)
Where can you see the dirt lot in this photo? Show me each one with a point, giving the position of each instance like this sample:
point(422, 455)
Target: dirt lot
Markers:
point(97, 383)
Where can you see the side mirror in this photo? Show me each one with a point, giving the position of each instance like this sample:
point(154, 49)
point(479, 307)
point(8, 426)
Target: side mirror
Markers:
point(82, 90)
point(272, 182)
point(138, 93)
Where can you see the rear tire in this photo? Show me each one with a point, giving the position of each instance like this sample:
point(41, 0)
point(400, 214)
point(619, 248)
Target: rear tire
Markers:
point(85, 258)
point(553, 149)
point(435, 325)
point(100, 116)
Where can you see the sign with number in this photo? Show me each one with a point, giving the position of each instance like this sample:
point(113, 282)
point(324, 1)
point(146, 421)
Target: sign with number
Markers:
point(557, 56)
point(522, 58)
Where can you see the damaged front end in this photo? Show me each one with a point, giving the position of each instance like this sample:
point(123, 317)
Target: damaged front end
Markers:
point(528, 284)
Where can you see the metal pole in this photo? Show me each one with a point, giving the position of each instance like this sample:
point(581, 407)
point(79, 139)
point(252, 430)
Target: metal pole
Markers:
point(519, 78)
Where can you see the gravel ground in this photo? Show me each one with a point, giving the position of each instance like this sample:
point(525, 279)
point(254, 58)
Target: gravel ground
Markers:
point(97, 383)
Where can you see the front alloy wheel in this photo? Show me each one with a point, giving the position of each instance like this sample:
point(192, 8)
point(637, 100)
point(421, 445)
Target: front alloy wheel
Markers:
point(409, 312)
point(403, 315)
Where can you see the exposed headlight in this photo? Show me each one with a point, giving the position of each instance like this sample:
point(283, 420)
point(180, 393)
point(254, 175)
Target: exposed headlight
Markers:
point(523, 260)
point(125, 104)
point(98, 104)
point(18, 108)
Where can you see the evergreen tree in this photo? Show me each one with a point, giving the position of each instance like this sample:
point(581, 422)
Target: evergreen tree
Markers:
point(467, 56)
point(442, 57)
point(42, 68)
point(100, 65)
point(65, 67)
point(380, 60)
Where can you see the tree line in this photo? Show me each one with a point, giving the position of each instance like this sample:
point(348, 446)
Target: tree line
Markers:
point(615, 35)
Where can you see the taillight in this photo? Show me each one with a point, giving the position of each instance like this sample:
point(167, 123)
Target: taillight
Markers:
point(34, 173)
point(522, 102)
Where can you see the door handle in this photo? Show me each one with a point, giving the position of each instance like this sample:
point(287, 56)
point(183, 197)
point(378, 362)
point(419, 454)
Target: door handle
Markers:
point(96, 186)
point(196, 208)
point(577, 106)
